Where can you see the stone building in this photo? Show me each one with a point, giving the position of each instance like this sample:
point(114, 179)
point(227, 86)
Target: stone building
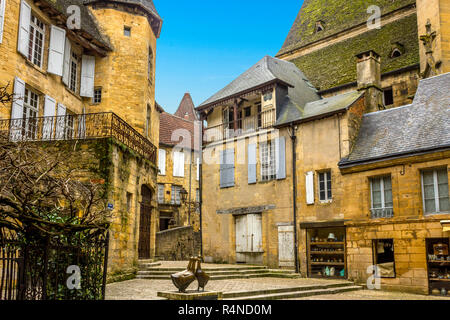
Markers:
point(92, 83)
point(178, 173)
point(366, 166)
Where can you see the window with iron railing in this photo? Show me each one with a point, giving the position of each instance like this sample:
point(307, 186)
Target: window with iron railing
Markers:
point(381, 194)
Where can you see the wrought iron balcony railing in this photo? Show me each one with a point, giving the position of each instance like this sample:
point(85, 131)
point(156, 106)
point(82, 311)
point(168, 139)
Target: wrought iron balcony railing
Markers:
point(379, 213)
point(78, 127)
point(262, 120)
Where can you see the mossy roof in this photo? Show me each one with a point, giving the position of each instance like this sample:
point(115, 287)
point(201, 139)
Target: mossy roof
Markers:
point(335, 15)
point(335, 65)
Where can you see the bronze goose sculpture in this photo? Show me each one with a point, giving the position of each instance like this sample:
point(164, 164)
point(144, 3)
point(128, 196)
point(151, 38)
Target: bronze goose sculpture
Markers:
point(201, 276)
point(183, 279)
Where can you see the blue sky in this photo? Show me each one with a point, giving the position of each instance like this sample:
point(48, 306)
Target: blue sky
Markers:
point(206, 44)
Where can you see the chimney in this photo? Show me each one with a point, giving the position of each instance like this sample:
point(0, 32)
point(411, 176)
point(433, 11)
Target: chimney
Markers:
point(368, 70)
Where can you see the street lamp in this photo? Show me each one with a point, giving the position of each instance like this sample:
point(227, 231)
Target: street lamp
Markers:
point(183, 195)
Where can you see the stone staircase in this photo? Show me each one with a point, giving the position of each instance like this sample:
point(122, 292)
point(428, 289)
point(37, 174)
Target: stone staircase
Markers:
point(153, 271)
point(293, 292)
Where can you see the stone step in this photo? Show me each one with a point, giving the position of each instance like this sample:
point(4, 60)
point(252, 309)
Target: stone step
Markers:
point(223, 277)
point(219, 273)
point(238, 294)
point(147, 260)
point(206, 269)
point(146, 265)
point(298, 294)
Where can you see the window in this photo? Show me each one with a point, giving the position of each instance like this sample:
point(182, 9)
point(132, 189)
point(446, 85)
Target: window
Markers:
point(435, 191)
point(388, 96)
point(127, 31)
point(160, 193)
point(2, 18)
point(176, 199)
point(258, 108)
point(148, 121)
point(197, 195)
point(178, 164)
point(319, 26)
point(36, 41)
point(97, 95)
point(227, 168)
point(381, 195)
point(30, 112)
point(268, 96)
point(325, 186)
point(248, 112)
point(384, 258)
point(396, 53)
point(268, 166)
point(129, 201)
point(73, 72)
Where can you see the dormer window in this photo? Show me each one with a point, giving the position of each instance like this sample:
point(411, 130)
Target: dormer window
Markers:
point(319, 26)
point(397, 50)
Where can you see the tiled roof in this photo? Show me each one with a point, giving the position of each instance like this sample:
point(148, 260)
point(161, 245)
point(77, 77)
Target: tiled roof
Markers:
point(421, 126)
point(186, 109)
point(294, 113)
point(176, 131)
point(265, 71)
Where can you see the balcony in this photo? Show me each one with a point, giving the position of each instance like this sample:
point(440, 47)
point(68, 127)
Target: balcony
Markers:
point(241, 126)
point(78, 127)
point(382, 213)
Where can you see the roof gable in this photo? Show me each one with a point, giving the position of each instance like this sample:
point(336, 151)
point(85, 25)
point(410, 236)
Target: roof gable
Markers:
point(186, 109)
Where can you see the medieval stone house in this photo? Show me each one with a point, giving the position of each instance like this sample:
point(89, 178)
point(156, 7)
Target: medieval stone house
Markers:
point(360, 182)
point(96, 85)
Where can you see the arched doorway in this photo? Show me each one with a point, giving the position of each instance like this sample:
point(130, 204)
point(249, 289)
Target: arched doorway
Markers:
point(145, 223)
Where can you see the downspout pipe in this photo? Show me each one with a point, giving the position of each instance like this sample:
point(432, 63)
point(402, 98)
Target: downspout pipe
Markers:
point(294, 194)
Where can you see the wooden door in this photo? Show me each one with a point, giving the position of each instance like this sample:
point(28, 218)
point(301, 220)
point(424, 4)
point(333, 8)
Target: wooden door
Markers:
point(286, 257)
point(145, 225)
point(248, 237)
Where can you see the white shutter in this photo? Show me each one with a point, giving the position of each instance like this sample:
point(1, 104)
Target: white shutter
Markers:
point(178, 164)
point(60, 121)
point(17, 110)
point(198, 168)
point(87, 76)
point(162, 162)
point(254, 224)
point(56, 50)
point(241, 234)
point(24, 28)
point(66, 64)
point(2, 18)
point(310, 187)
point(49, 118)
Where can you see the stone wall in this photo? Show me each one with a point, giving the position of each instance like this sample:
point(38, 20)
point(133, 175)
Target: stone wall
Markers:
point(177, 244)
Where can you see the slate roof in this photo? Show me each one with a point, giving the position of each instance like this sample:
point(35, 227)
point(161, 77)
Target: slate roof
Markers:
point(336, 16)
point(268, 70)
point(88, 21)
point(186, 109)
point(183, 129)
point(421, 126)
point(293, 113)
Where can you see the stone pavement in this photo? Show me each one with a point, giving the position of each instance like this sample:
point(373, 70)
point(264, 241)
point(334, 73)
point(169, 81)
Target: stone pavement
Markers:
point(147, 289)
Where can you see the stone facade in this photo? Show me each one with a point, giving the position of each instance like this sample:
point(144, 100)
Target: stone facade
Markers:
point(178, 244)
point(124, 70)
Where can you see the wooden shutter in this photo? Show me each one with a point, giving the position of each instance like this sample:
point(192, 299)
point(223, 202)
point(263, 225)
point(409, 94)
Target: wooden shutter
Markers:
point(87, 76)
point(251, 163)
point(227, 168)
point(17, 109)
point(60, 121)
point(178, 164)
point(280, 155)
point(241, 233)
point(66, 63)
point(2, 18)
point(24, 28)
point(49, 117)
point(56, 50)
point(162, 162)
point(310, 187)
point(254, 238)
point(286, 256)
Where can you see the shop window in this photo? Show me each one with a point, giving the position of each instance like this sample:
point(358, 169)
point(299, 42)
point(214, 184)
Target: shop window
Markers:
point(384, 258)
point(325, 186)
point(435, 191)
point(438, 258)
point(388, 96)
point(382, 205)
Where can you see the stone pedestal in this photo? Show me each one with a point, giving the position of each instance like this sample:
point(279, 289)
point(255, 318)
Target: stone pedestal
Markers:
point(191, 295)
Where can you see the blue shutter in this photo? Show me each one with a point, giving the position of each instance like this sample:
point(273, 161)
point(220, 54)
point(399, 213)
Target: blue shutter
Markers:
point(280, 149)
point(251, 163)
point(227, 168)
